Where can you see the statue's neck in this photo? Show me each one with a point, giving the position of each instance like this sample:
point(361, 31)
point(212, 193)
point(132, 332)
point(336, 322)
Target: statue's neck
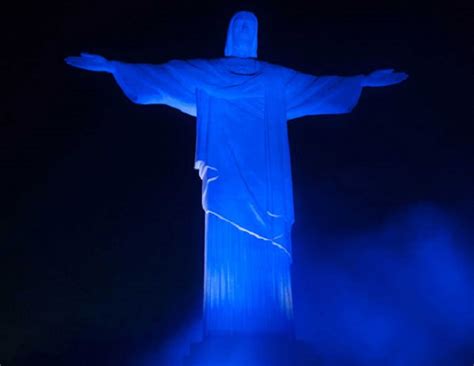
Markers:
point(242, 65)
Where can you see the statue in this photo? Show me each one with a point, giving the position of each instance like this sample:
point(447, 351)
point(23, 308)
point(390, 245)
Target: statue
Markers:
point(242, 106)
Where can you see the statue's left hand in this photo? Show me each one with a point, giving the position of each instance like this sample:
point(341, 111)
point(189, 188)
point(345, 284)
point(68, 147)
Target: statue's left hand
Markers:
point(384, 78)
point(90, 62)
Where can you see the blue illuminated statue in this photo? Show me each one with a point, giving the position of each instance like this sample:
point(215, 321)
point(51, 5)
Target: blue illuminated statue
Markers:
point(242, 106)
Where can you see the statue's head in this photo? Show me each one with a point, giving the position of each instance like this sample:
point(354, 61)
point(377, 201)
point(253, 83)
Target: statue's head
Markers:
point(242, 34)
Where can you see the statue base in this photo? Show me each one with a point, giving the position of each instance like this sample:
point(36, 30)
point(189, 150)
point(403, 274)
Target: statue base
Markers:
point(250, 351)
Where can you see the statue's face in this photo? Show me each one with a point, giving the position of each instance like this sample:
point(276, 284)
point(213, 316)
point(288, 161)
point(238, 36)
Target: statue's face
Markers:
point(243, 32)
point(242, 35)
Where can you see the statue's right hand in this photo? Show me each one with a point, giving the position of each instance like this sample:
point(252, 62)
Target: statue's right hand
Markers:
point(90, 62)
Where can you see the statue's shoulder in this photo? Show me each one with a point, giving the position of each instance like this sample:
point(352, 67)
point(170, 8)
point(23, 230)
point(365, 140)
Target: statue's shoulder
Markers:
point(195, 62)
point(275, 68)
point(223, 60)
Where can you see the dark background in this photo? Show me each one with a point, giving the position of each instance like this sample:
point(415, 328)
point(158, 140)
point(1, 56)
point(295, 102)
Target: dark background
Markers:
point(101, 225)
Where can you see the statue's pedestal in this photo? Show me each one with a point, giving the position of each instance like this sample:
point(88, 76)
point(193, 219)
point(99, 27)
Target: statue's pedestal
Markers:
point(250, 351)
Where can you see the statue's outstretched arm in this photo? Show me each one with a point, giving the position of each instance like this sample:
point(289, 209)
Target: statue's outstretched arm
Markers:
point(384, 77)
point(173, 83)
point(91, 62)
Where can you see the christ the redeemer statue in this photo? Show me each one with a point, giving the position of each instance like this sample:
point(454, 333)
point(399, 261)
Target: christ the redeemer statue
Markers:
point(242, 106)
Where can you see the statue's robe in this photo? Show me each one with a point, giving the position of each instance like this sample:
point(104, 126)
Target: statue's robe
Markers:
point(242, 154)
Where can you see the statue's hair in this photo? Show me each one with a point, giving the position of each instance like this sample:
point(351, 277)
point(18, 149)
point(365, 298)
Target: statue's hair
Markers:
point(230, 41)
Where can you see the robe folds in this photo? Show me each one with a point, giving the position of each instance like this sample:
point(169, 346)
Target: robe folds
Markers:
point(243, 159)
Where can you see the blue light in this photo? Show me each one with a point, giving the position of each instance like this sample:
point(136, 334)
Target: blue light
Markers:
point(242, 106)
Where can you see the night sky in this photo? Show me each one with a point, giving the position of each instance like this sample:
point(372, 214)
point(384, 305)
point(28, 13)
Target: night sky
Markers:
point(101, 226)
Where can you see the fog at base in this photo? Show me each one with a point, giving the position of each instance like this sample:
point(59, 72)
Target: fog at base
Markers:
point(402, 295)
